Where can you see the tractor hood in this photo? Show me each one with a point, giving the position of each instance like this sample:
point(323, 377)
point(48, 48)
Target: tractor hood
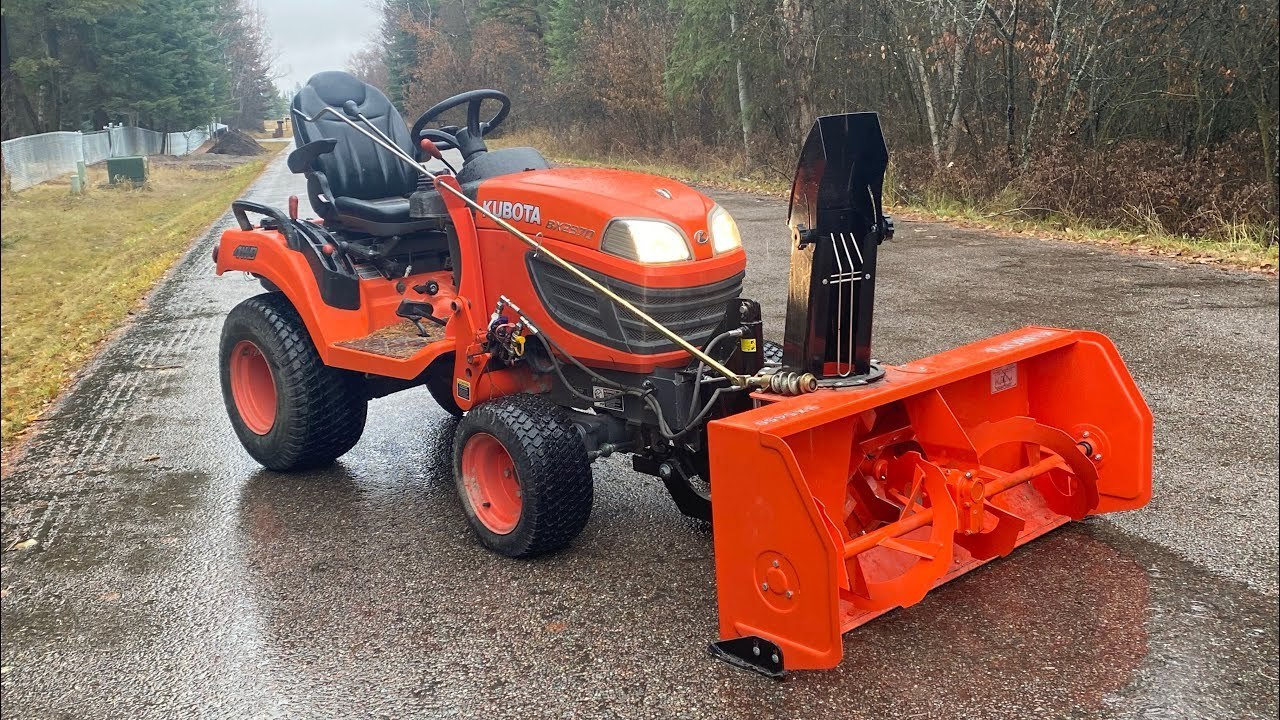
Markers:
point(575, 205)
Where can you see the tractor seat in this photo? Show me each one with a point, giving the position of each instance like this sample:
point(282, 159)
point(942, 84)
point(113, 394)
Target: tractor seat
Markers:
point(383, 211)
point(351, 182)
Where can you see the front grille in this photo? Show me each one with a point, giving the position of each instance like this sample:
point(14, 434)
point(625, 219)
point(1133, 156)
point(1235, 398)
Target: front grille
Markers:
point(693, 313)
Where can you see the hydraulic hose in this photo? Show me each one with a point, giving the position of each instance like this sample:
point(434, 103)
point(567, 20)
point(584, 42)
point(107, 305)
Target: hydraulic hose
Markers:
point(709, 348)
point(551, 348)
point(694, 422)
point(663, 427)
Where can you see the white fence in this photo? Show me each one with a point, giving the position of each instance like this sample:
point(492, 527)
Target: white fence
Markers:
point(97, 147)
point(34, 159)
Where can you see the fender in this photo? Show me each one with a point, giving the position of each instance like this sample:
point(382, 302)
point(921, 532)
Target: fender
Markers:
point(265, 253)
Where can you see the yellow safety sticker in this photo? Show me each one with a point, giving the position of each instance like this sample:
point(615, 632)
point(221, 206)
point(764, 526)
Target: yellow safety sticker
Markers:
point(748, 344)
point(464, 389)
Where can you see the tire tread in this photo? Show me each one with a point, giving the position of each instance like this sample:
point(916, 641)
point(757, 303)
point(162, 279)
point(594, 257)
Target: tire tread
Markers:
point(551, 461)
point(328, 415)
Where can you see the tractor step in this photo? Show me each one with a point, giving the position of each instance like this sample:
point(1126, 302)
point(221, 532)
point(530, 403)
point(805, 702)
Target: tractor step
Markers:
point(400, 341)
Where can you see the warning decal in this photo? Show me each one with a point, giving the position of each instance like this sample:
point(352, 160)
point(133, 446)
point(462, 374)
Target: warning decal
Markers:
point(607, 398)
point(1004, 378)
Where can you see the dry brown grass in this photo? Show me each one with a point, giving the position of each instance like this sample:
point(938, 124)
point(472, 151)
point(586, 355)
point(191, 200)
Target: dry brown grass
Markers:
point(74, 267)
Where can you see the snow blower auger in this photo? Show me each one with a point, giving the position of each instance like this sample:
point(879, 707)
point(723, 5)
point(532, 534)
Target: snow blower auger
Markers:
point(567, 314)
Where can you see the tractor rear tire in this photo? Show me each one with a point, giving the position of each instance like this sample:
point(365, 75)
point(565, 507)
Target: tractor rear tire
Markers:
point(522, 475)
point(440, 385)
point(290, 410)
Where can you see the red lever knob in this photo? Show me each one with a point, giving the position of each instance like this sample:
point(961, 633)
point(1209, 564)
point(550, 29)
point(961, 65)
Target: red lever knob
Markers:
point(293, 207)
point(430, 148)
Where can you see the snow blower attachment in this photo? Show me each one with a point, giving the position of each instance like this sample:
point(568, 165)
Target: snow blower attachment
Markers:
point(836, 506)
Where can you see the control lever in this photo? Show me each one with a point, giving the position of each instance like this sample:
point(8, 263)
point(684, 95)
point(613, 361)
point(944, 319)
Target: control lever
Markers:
point(415, 311)
point(360, 251)
point(431, 150)
point(374, 257)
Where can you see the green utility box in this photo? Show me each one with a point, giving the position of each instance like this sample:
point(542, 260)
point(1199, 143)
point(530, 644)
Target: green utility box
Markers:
point(128, 169)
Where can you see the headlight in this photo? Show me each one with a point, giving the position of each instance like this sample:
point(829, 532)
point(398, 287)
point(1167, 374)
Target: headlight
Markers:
point(649, 241)
point(724, 231)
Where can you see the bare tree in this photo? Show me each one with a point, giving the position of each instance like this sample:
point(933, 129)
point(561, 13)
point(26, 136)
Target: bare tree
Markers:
point(369, 64)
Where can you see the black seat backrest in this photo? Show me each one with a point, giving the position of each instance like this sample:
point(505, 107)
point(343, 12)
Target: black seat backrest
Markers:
point(357, 167)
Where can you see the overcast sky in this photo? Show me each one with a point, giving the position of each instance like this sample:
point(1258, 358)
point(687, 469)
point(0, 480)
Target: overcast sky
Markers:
point(315, 35)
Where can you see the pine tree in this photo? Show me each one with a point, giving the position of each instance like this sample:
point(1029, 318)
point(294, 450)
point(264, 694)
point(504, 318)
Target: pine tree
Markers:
point(564, 24)
point(400, 45)
point(244, 47)
point(161, 66)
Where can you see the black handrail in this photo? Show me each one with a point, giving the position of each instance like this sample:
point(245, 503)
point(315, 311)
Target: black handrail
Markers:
point(242, 208)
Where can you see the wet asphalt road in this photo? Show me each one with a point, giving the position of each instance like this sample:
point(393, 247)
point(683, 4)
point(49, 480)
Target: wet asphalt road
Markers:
point(175, 578)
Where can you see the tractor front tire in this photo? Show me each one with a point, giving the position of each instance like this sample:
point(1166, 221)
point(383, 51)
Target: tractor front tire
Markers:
point(290, 410)
point(522, 474)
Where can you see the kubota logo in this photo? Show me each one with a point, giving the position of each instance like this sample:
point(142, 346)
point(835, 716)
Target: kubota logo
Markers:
point(520, 212)
point(786, 415)
point(1022, 340)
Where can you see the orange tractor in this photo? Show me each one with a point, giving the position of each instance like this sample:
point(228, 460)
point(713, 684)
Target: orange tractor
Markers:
point(567, 314)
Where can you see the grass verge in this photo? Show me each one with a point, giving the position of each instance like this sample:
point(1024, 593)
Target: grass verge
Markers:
point(1239, 247)
point(73, 267)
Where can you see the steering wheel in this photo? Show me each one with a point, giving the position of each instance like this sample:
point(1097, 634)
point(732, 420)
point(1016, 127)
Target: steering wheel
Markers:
point(446, 138)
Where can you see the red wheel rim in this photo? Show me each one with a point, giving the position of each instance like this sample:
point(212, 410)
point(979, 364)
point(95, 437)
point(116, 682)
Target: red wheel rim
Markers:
point(252, 387)
point(492, 486)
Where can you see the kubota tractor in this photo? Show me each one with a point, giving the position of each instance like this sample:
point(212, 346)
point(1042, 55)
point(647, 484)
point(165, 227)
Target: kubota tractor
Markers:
point(566, 314)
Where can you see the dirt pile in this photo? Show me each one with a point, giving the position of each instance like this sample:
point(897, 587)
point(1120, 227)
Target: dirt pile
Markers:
point(234, 142)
